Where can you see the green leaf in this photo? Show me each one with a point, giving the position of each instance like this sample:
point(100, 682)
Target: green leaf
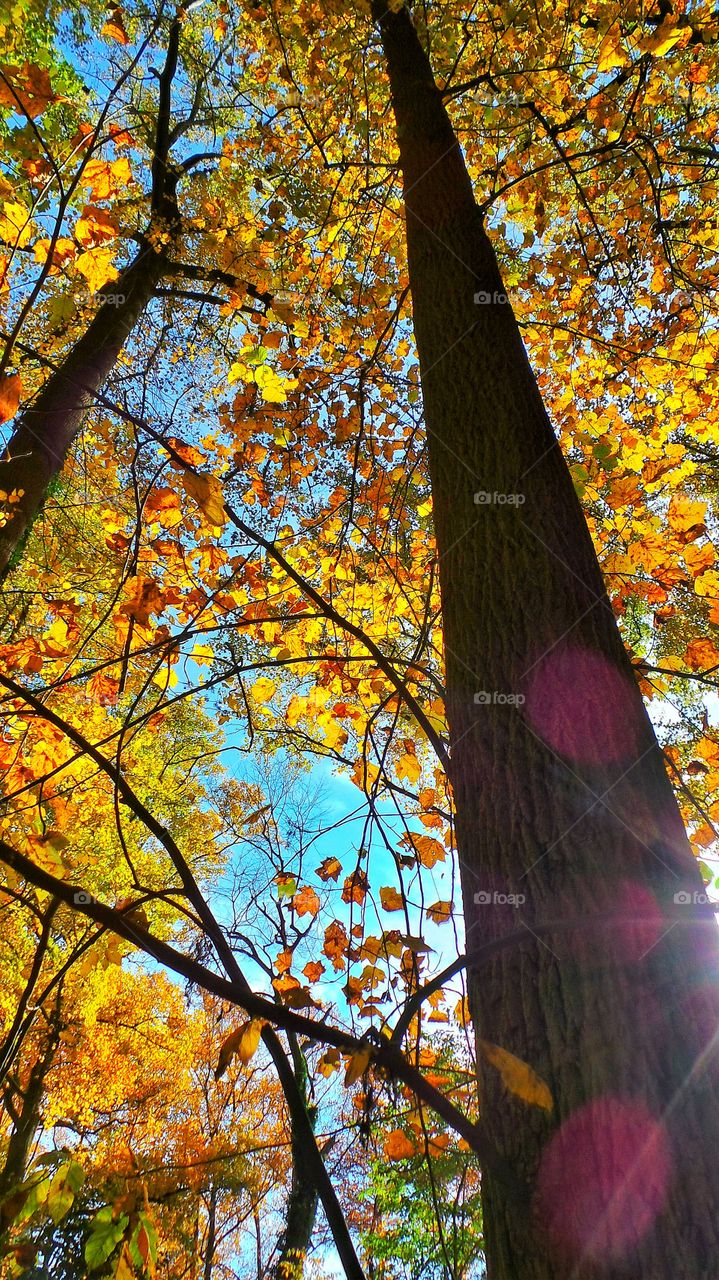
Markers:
point(63, 1189)
point(105, 1235)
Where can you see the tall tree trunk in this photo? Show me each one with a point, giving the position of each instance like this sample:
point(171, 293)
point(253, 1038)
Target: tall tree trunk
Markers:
point(563, 797)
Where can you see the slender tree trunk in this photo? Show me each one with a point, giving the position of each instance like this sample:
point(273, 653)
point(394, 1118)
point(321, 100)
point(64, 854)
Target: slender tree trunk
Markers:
point(259, 1264)
point(561, 797)
point(26, 1118)
point(37, 448)
point(302, 1202)
point(210, 1240)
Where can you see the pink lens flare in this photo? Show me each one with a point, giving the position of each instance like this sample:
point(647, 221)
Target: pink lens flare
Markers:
point(603, 1180)
point(583, 707)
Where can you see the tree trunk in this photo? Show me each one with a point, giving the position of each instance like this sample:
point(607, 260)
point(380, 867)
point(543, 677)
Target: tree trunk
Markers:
point(27, 1118)
point(302, 1202)
point(37, 448)
point(559, 784)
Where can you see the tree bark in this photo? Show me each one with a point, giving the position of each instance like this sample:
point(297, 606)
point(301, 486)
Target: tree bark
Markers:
point(560, 789)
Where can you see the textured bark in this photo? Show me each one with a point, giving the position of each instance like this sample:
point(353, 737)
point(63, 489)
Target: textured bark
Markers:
point(562, 798)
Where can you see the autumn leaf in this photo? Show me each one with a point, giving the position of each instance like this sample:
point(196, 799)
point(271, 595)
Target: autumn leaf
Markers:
point(306, 902)
point(397, 1146)
point(329, 1063)
point(97, 267)
point(206, 490)
point(408, 765)
point(519, 1078)
point(26, 88)
point(391, 900)
point(611, 51)
point(241, 1043)
point(114, 28)
point(440, 912)
point(263, 689)
point(124, 1269)
point(664, 38)
point(105, 177)
point(428, 850)
point(142, 598)
point(357, 1066)
point(16, 225)
point(10, 392)
point(355, 887)
point(95, 226)
point(330, 869)
point(313, 970)
point(336, 944)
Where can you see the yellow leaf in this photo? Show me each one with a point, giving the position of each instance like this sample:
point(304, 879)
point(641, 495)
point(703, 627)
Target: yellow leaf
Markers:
point(272, 387)
point(16, 225)
point(241, 1043)
point(263, 689)
point(96, 266)
point(328, 1063)
point(664, 38)
point(611, 51)
point(105, 177)
point(519, 1078)
point(125, 1269)
point(357, 1066)
point(207, 493)
point(409, 767)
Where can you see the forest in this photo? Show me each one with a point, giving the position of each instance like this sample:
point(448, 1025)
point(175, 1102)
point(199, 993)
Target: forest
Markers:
point(359, 640)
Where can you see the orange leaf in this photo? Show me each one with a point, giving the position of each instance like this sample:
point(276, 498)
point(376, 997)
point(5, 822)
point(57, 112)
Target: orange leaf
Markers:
point(439, 912)
point(10, 392)
point(306, 902)
point(391, 900)
point(355, 887)
point(397, 1146)
point(329, 869)
point(114, 28)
